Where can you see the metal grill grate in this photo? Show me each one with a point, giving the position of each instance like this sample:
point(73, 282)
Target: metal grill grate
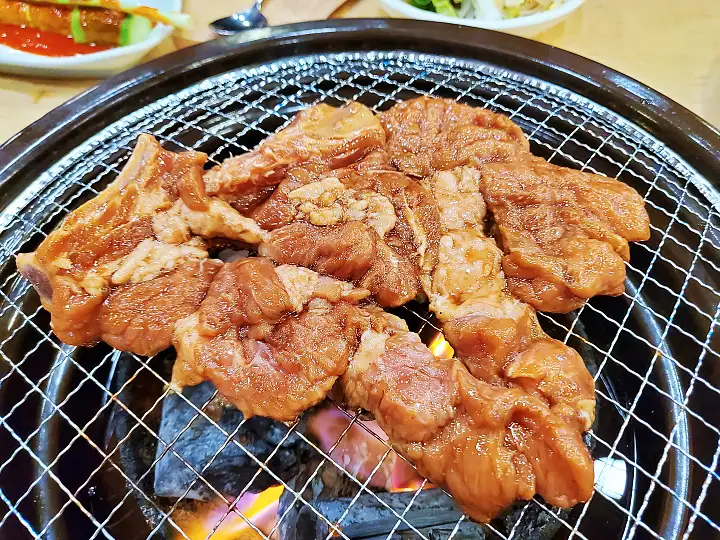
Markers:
point(656, 347)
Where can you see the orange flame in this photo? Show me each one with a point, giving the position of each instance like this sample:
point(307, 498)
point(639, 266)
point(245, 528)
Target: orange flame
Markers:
point(260, 509)
point(359, 452)
point(440, 347)
point(406, 478)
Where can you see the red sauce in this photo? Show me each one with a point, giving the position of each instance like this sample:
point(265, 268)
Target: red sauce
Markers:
point(44, 43)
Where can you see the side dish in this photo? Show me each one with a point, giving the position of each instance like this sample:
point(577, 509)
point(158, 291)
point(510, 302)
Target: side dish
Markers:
point(67, 28)
point(490, 10)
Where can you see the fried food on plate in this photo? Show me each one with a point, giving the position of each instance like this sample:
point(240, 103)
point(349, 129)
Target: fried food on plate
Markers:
point(101, 22)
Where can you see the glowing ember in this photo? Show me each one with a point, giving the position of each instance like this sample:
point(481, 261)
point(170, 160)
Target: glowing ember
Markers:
point(359, 452)
point(260, 509)
point(406, 478)
point(440, 347)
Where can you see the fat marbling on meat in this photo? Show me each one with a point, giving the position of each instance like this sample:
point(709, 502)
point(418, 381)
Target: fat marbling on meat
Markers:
point(126, 265)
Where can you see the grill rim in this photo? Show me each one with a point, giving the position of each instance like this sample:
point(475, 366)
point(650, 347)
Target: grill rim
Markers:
point(35, 148)
point(375, 46)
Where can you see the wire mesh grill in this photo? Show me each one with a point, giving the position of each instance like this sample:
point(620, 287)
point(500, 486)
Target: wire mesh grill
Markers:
point(656, 346)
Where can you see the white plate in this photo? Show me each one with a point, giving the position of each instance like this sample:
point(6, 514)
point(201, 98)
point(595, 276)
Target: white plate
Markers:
point(528, 26)
point(99, 64)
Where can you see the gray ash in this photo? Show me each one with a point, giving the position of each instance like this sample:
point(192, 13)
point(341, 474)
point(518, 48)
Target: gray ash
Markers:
point(374, 515)
point(198, 440)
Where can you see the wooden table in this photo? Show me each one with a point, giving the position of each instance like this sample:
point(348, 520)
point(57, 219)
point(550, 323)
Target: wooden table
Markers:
point(670, 45)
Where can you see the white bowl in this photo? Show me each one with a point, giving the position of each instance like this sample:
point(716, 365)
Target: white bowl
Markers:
point(99, 64)
point(527, 26)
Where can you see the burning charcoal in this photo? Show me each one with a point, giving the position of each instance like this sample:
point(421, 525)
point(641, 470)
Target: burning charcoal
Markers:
point(531, 522)
point(359, 448)
point(299, 522)
point(232, 469)
point(432, 513)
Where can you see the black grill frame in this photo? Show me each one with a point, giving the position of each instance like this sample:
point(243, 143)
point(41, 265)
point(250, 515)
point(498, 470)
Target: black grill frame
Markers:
point(619, 116)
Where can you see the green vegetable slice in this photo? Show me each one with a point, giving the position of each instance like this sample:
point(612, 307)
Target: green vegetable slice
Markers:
point(76, 29)
point(444, 7)
point(131, 7)
point(134, 29)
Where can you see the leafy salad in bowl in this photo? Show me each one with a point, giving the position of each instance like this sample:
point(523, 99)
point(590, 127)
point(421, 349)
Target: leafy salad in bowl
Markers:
point(492, 10)
point(525, 18)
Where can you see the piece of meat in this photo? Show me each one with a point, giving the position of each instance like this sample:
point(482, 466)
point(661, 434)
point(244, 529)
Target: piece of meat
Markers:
point(272, 340)
point(323, 201)
point(564, 232)
point(426, 135)
point(417, 229)
point(394, 375)
point(371, 192)
point(486, 341)
point(486, 445)
point(351, 252)
point(140, 229)
point(555, 372)
point(141, 318)
point(496, 335)
point(335, 136)
point(503, 445)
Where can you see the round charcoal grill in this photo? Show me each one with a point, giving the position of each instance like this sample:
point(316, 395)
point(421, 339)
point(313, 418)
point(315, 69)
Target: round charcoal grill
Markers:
point(79, 431)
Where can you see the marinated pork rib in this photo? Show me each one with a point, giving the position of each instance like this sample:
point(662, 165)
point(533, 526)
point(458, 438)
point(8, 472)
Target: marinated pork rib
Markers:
point(426, 135)
point(396, 377)
point(392, 206)
point(486, 445)
point(352, 223)
point(334, 136)
point(126, 265)
point(497, 336)
point(272, 340)
point(352, 252)
point(564, 232)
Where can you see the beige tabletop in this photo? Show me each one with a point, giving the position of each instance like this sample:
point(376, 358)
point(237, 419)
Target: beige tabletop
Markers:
point(670, 45)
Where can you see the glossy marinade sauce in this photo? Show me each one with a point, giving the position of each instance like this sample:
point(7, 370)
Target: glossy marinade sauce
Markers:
point(44, 43)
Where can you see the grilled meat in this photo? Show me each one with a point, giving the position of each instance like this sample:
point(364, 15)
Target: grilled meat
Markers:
point(564, 232)
point(130, 244)
point(503, 445)
point(355, 223)
point(426, 135)
point(272, 340)
point(486, 445)
point(337, 137)
point(497, 336)
point(352, 252)
point(396, 377)
point(324, 199)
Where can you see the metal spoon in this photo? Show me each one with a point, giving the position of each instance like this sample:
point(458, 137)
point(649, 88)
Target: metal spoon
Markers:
point(239, 22)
